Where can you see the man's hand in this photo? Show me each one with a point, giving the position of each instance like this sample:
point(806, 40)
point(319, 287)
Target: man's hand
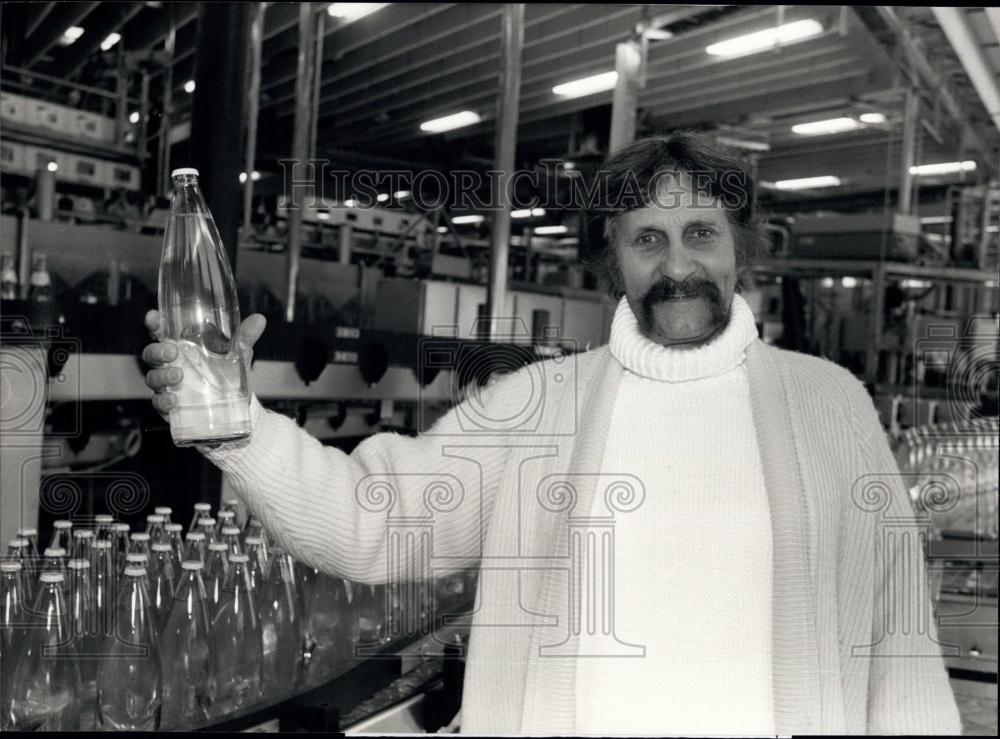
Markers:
point(159, 355)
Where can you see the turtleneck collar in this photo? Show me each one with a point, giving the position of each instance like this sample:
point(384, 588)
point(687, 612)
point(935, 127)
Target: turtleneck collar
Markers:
point(668, 364)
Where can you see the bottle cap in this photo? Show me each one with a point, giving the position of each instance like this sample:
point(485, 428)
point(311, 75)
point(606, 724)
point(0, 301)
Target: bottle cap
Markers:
point(27, 532)
point(135, 572)
point(120, 526)
point(239, 558)
point(51, 576)
point(192, 564)
point(103, 518)
point(161, 546)
point(78, 564)
point(226, 514)
point(83, 534)
point(136, 557)
point(154, 518)
point(253, 541)
point(62, 524)
point(180, 171)
point(202, 506)
point(230, 531)
point(218, 546)
point(55, 552)
point(139, 536)
point(9, 566)
point(195, 536)
point(163, 510)
point(102, 544)
point(18, 542)
point(206, 522)
point(172, 527)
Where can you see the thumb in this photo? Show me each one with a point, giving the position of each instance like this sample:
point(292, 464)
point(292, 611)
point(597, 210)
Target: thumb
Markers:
point(251, 329)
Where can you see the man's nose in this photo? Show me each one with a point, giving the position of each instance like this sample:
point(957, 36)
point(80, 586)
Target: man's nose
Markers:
point(676, 263)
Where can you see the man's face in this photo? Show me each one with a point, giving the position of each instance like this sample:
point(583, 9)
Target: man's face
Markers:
point(677, 259)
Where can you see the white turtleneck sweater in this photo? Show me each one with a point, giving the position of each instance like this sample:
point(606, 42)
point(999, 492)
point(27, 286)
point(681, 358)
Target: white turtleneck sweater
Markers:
point(692, 565)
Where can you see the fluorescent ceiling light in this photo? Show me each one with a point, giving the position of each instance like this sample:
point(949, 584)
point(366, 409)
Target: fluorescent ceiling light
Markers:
point(460, 220)
point(450, 122)
point(442, 229)
point(112, 38)
point(747, 144)
point(382, 197)
point(587, 85)
point(826, 282)
point(189, 86)
point(528, 213)
point(849, 282)
point(352, 11)
point(657, 34)
point(569, 165)
point(133, 117)
point(808, 183)
point(255, 175)
point(400, 194)
point(551, 230)
point(915, 284)
point(350, 203)
point(831, 125)
point(936, 219)
point(323, 215)
point(943, 168)
point(873, 117)
point(70, 35)
point(766, 39)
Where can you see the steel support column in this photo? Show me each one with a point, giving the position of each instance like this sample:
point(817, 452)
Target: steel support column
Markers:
point(508, 109)
point(625, 102)
point(253, 106)
point(911, 122)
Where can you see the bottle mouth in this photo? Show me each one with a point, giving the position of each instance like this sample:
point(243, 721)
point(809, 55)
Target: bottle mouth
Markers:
point(183, 172)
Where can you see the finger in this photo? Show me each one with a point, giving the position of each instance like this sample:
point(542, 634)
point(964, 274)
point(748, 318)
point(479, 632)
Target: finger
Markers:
point(164, 402)
point(159, 379)
point(153, 323)
point(158, 353)
point(252, 328)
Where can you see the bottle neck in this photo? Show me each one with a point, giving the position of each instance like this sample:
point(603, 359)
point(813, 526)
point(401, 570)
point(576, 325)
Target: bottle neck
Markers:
point(187, 197)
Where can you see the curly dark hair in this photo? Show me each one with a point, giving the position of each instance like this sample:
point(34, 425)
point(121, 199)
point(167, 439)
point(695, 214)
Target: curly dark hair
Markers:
point(630, 173)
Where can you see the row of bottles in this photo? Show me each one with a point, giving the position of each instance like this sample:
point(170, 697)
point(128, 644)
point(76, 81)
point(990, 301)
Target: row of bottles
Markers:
point(40, 282)
point(238, 619)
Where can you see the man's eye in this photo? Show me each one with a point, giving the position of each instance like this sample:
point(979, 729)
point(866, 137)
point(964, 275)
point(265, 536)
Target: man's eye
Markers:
point(703, 233)
point(646, 238)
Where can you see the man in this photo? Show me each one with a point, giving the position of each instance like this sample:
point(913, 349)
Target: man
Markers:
point(675, 533)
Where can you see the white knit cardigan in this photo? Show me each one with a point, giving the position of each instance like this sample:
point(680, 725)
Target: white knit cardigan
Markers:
point(497, 482)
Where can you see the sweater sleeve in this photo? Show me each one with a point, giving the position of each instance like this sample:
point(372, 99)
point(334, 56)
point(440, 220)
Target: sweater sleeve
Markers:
point(908, 689)
point(377, 514)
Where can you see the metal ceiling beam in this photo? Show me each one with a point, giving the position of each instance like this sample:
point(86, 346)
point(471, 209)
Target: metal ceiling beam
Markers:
point(146, 35)
point(993, 16)
point(39, 12)
point(62, 17)
point(107, 18)
point(968, 50)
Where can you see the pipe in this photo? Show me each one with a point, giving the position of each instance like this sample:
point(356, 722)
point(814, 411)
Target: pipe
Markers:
point(253, 107)
point(993, 16)
point(304, 109)
point(625, 101)
point(968, 50)
point(508, 107)
point(911, 120)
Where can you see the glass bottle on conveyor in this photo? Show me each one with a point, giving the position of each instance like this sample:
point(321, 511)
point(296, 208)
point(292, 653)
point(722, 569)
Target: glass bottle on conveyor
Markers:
point(200, 314)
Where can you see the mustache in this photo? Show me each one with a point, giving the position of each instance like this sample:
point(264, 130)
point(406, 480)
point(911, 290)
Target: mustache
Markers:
point(665, 289)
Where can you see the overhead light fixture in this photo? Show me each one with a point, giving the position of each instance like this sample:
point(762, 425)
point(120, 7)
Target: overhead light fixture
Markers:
point(255, 175)
point(189, 86)
point(352, 11)
point(551, 230)
point(70, 35)
point(657, 34)
point(323, 215)
point(528, 213)
point(133, 117)
point(450, 122)
point(382, 197)
point(461, 220)
point(787, 33)
point(587, 85)
point(828, 126)
point(350, 203)
point(930, 220)
point(400, 194)
point(930, 170)
point(746, 144)
point(807, 183)
point(110, 40)
point(569, 166)
point(872, 117)
point(52, 166)
point(915, 284)
point(849, 282)
point(442, 229)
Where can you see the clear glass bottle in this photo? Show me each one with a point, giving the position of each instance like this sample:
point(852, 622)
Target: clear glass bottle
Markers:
point(19, 550)
point(86, 643)
point(139, 542)
point(13, 618)
point(31, 535)
point(371, 614)
point(224, 519)
point(121, 543)
point(231, 505)
point(237, 635)
point(54, 560)
point(62, 534)
point(154, 527)
point(83, 545)
point(195, 546)
point(281, 625)
point(259, 560)
point(165, 511)
point(45, 692)
point(40, 282)
point(102, 525)
point(201, 510)
point(327, 629)
point(206, 525)
point(162, 575)
point(128, 675)
point(231, 537)
point(189, 669)
point(172, 532)
point(8, 278)
point(105, 581)
point(200, 313)
point(216, 571)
